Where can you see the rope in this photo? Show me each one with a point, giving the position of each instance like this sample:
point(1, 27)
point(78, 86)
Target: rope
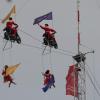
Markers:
point(66, 51)
point(93, 83)
point(41, 42)
point(30, 35)
point(10, 56)
point(42, 60)
point(39, 48)
point(86, 46)
point(3, 55)
point(51, 65)
point(93, 77)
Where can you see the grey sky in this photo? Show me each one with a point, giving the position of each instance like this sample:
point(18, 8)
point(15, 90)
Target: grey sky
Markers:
point(28, 77)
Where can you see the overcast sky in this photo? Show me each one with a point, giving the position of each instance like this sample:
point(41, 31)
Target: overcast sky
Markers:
point(28, 76)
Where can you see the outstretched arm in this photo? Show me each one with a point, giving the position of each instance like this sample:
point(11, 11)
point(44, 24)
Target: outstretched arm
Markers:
point(41, 26)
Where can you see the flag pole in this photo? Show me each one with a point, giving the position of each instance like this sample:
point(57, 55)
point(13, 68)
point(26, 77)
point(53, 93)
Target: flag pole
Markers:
point(78, 43)
point(78, 27)
point(80, 59)
point(78, 37)
point(81, 63)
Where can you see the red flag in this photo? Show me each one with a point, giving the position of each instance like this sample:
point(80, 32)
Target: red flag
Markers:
point(72, 81)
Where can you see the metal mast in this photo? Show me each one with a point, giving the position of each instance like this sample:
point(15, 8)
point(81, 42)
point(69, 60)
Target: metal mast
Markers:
point(80, 59)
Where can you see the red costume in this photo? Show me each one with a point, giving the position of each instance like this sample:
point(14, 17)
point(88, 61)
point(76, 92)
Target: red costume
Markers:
point(6, 78)
point(48, 31)
point(47, 78)
point(12, 26)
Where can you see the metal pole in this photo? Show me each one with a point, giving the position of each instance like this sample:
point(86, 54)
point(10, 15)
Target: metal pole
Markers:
point(78, 20)
point(78, 43)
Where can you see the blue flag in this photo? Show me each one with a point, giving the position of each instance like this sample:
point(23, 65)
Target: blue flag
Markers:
point(45, 88)
point(44, 17)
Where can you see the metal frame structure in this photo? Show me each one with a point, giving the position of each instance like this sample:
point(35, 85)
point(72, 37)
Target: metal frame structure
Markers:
point(80, 59)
